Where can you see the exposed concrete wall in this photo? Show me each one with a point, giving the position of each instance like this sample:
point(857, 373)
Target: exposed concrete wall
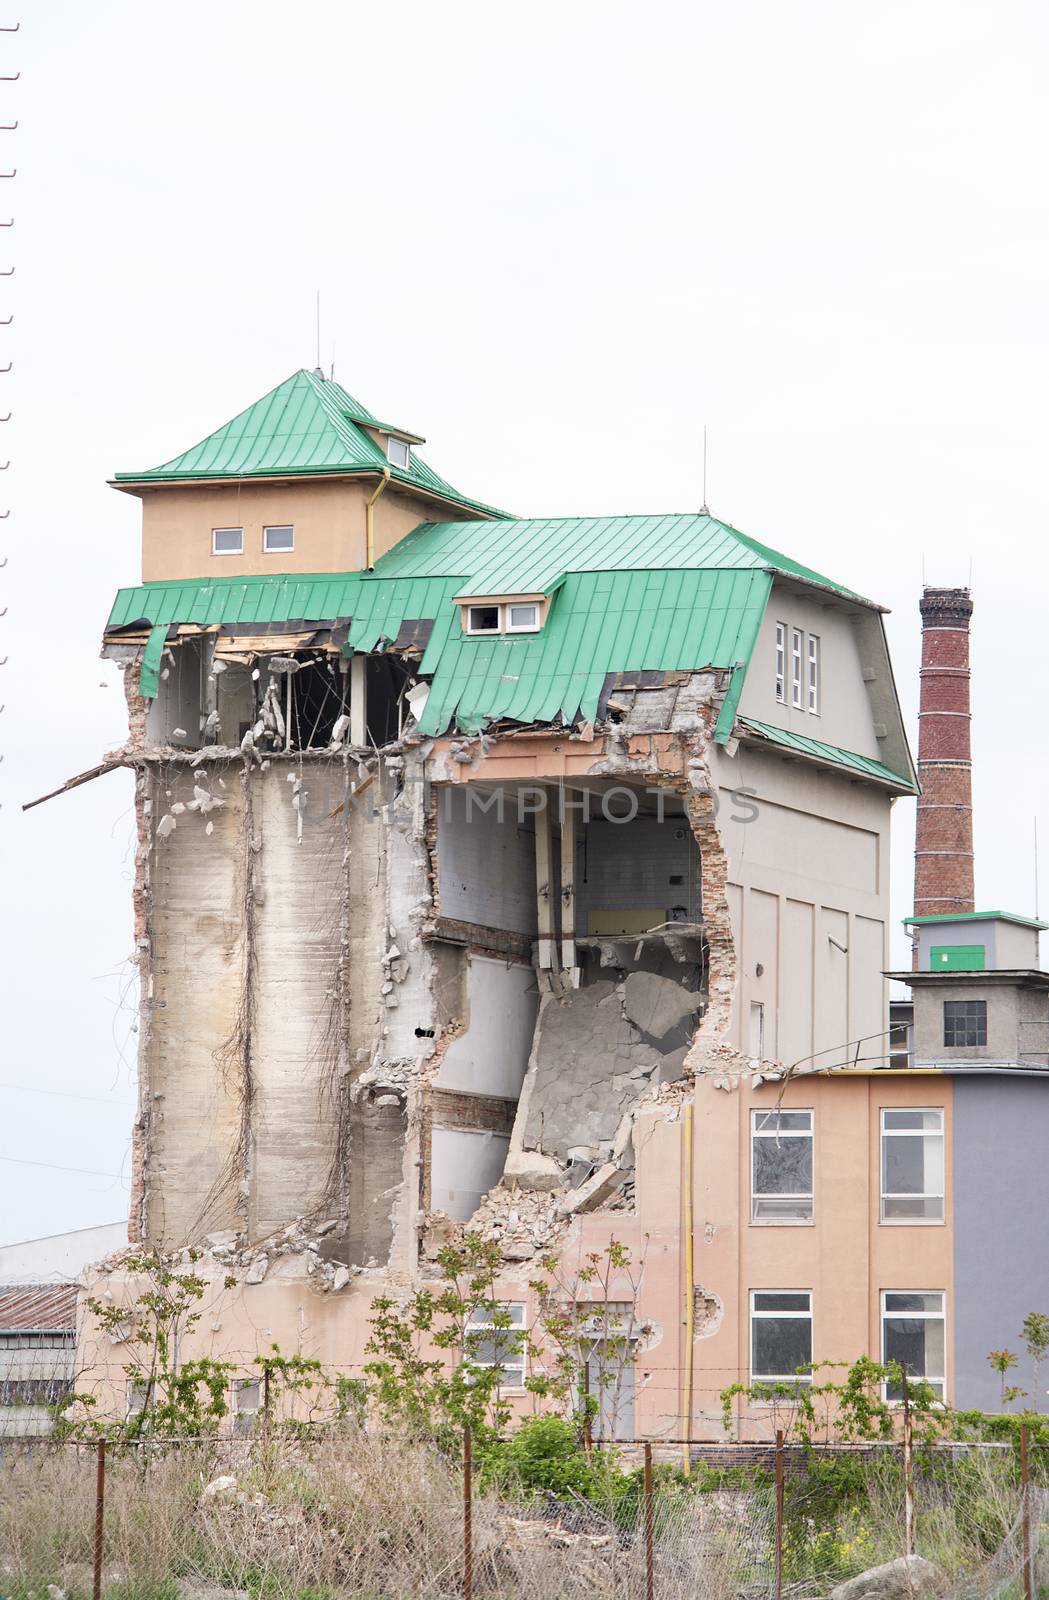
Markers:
point(465, 1164)
point(490, 1055)
point(639, 864)
point(1001, 1132)
point(297, 949)
point(486, 861)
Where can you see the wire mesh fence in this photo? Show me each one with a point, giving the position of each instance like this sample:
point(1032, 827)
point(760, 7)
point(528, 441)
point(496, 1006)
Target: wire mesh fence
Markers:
point(340, 1512)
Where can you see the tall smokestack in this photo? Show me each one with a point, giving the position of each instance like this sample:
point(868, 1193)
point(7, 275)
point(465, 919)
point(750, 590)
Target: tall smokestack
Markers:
point(943, 844)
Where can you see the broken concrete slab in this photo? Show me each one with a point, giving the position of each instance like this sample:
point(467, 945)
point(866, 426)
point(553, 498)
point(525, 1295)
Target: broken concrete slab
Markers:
point(657, 1004)
point(605, 1181)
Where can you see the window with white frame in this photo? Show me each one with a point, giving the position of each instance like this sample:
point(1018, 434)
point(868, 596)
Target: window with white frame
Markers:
point(914, 1334)
point(139, 1396)
point(813, 680)
point(496, 1338)
point(279, 538)
point(797, 640)
point(522, 618)
point(398, 451)
point(780, 1335)
point(247, 1396)
point(227, 541)
point(781, 1166)
point(912, 1167)
point(483, 619)
point(781, 662)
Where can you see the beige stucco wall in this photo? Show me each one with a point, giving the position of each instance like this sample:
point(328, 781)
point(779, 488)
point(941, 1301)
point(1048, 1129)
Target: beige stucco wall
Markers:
point(844, 717)
point(328, 516)
point(808, 889)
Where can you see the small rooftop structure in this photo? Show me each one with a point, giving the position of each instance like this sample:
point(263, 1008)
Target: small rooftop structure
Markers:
point(976, 941)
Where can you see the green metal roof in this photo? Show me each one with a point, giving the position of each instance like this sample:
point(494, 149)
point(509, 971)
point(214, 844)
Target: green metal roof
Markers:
point(307, 426)
point(850, 760)
point(531, 555)
point(975, 916)
point(599, 623)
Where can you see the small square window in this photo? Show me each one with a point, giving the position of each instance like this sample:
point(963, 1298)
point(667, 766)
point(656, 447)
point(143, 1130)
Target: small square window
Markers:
point(282, 538)
point(964, 1024)
point(227, 541)
point(398, 452)
point(482, 619)
point(522, 619)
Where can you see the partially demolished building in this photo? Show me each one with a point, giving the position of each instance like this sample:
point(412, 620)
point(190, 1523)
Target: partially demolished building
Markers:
point(522, 875)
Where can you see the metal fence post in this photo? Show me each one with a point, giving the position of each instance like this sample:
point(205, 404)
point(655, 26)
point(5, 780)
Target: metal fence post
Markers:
point(468, 1541)
point(779, 1513)
point(650, 1572)
point(908, 1474)
point(1025, 1510)
point(100, 1506)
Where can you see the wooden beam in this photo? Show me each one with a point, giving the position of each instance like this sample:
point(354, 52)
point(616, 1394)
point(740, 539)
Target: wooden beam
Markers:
point(74, 783)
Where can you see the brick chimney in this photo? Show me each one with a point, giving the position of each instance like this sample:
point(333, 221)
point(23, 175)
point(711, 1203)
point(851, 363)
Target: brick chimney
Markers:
point(943, 844)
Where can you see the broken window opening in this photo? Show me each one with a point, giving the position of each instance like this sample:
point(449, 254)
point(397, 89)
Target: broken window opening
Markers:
point(387, 680)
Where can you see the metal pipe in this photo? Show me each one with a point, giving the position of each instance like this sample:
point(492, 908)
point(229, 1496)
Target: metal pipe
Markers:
point(468, 1542)
point(908, 1472)
point(100, 1504)
point(650, 1575)
point(369, 539)
point(779, 1514)
point(1025, 1491)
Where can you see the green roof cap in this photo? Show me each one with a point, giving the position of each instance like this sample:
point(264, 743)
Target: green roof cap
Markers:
point(974, 916)
point(307, 426)
point(864, 766)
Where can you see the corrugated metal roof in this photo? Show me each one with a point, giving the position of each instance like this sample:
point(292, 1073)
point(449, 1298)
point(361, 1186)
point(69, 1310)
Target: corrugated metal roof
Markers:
point(35, 1308)
point(853, 762)
point(599, 622)
point(531, 555)
point(307, 425)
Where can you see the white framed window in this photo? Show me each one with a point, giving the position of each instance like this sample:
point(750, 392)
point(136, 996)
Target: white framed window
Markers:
point(398, 451)
point(813, 680)
point(484, 619)
point(914, 1333)
point(781, 663)
point(489, 1345)
point(756, 1031)
point(227, 541)
point(780, 1335)
point(797, 640)
point(279, 538)
point(139, 1396)
point(912, 1166)
point(522, 618)
point(781, 1146)
point(247, 1396)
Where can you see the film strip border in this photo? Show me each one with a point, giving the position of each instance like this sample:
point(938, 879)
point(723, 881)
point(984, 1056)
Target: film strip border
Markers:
point(8, 172)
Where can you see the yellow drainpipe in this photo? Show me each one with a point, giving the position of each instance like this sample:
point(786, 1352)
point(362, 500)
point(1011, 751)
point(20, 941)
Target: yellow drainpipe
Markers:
point(690, 1290)
point(369, 541)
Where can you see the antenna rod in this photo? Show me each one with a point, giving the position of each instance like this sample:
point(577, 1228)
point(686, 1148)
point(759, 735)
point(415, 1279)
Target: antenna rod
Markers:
point(318, 330)
point(1036, 867)
point(704, 509)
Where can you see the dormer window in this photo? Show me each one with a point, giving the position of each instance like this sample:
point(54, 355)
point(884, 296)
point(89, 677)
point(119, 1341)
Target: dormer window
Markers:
point(227, 541)
point(276, 539)
point(398, 451)
point(483, 619)
point(503, 615)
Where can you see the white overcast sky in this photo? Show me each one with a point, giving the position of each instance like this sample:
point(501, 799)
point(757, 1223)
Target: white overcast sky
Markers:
point(556, 239)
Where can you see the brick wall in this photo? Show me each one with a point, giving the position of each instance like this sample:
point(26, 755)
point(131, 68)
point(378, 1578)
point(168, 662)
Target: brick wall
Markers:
point(943, 846)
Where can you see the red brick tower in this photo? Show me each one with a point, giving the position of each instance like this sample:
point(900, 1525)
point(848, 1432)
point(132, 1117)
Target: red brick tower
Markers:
point(943, 843)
